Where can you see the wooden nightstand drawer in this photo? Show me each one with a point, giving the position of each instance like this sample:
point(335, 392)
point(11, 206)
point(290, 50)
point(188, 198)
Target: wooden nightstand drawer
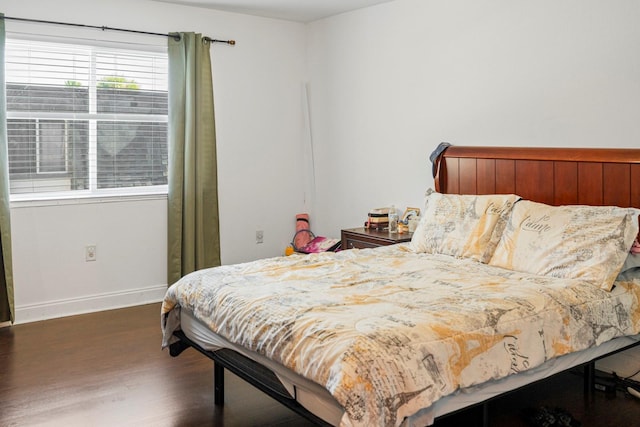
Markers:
point(361, 238)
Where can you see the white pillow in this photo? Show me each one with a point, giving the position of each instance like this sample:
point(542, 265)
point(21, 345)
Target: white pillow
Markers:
point(574, 241)
point(464, 226)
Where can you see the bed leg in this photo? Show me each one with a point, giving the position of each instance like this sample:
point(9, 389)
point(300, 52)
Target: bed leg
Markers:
point(218, 384)
point(485, 414)
point(589, 378)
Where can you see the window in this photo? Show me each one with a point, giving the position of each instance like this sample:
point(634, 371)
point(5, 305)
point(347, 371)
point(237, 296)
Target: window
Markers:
point(85, 120)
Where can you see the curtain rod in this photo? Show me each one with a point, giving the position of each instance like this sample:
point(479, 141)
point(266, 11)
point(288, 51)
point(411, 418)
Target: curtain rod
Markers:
point(103, 28)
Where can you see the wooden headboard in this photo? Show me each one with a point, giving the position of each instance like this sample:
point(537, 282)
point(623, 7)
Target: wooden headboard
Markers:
point(555, 176)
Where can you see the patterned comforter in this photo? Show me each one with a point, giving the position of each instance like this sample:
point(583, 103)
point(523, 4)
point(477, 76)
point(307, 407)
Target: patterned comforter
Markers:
point(388, 331)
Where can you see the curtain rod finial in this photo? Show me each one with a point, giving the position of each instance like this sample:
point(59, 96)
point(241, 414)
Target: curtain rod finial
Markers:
point(229, 42)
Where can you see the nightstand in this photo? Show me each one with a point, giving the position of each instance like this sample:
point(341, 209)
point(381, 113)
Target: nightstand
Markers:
point(362, 238)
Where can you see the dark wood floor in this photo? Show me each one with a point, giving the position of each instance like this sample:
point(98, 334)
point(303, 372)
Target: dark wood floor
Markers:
point(107, 369)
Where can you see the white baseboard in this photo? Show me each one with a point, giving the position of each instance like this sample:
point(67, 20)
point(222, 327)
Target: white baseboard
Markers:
point(89, 304)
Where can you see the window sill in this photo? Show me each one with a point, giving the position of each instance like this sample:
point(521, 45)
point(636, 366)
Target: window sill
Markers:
point(17, 203)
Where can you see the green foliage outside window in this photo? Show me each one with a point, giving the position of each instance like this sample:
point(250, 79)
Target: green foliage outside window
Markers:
point(117, 82)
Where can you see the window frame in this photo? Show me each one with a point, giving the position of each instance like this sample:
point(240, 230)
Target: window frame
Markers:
point(92, 117)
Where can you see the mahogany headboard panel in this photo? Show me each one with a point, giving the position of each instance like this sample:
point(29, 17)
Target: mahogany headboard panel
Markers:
point(555, 176)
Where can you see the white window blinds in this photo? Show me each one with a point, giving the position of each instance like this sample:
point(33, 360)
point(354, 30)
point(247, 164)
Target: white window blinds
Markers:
point(85, 119)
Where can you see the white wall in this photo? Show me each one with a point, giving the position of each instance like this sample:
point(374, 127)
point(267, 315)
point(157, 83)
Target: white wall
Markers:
point(258, 95)
point(51, 275)
point(389, 82)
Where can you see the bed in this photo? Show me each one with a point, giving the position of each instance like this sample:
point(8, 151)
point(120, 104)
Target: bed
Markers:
point(487, 297)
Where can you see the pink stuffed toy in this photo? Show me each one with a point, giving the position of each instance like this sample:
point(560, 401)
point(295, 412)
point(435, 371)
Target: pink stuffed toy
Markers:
point(635, 248)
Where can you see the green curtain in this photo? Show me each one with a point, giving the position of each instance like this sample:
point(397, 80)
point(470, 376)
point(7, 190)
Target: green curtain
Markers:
point(7, 312)
point(193, 224)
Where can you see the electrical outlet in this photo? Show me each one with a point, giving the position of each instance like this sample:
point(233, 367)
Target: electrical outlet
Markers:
point(259, 236)
point(90, 253)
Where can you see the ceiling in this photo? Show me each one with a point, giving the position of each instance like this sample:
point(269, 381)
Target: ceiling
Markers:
point(291, 10)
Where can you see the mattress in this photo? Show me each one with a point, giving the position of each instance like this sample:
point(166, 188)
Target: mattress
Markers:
point(317, 400)
point(388, 332)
